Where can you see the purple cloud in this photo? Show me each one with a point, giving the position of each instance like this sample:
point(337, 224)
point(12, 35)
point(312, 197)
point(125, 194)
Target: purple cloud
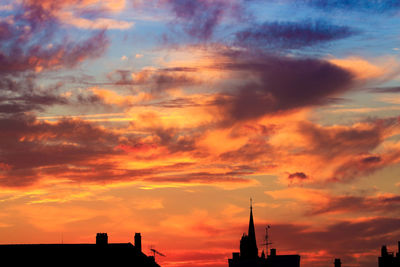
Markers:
point(298, 175)
point(359, 204)
point(199, 18)
point(273, 84)
point(291, 35)
point(357, 5)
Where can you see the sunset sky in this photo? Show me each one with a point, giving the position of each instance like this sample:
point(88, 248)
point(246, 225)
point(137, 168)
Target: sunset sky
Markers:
point(165, 116)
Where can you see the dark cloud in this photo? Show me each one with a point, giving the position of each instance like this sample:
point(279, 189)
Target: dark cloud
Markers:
point(200, 177)
point(359, 204)
point(351, 149)
point(31, 44)
point(272, 84)
point(347, 150)
point(371, 159)
point(355, 168)
point(24, 43)
point(5, 31)
point(298, 175)
point(254, 150)
point(373, 6)
point(109, 172)
point(37, 58)
point(22, 95)
point(181, 69)
point(28, 146)
point(385, 90)
point(24, 136)
point(102, 173)
point(199, 18)
point(82, 152)
point(291, 35)
point(331, 142)
point(180, 102)
point(174, 140)
point(28, 103)
point(166, 81)
point(40, 19)
point(156, 80)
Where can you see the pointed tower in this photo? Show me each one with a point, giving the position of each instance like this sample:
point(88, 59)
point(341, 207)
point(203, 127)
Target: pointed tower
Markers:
point(248, 243)
point(252, 232)
point(253, 250)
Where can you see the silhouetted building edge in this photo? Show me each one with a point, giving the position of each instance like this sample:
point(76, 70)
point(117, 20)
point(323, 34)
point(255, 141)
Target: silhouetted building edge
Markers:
point(248, 255)
point(389, 259)
point(101, 253)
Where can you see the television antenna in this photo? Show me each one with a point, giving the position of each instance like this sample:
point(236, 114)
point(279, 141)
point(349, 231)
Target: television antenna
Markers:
point(154, 251)
point(266, 239)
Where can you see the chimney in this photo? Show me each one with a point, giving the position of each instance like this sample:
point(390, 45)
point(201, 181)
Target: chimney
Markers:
point(338, 263)
point(235, 256)
point(273, 252)
point(384, 252)
point(398, 247)
point(138, 241)
point(101, 239)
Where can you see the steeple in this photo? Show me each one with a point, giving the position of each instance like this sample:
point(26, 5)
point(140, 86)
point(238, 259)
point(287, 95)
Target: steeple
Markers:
point(252, 232)
point(248, 244)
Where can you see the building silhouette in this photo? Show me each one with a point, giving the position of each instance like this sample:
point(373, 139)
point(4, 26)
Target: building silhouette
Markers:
point(389, 259)
point(337, 263)
point(248, 255)
point(101, 253)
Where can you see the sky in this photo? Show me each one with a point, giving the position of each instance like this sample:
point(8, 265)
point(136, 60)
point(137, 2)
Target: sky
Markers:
point(165, 117)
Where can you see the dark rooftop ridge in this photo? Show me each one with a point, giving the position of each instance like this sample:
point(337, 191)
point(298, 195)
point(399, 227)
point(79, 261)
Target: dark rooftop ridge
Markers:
point(101, 253)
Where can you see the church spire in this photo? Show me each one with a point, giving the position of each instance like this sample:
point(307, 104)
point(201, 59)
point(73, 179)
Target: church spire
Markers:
point(252, 232)
point(248, 243)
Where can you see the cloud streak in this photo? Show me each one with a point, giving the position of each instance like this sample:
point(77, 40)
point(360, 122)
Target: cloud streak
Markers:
point(389, 204)
point(374, 6)
point(291, 35)
point(200, 17)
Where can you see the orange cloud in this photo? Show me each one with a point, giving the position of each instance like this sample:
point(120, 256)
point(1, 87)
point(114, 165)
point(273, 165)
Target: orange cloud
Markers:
point(379, 69)
point(111, 5)
point(112, 98)
point(98, 23)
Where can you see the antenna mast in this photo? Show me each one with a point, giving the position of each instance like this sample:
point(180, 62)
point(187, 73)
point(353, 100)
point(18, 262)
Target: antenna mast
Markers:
point(156, 252)
point(267, 238)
